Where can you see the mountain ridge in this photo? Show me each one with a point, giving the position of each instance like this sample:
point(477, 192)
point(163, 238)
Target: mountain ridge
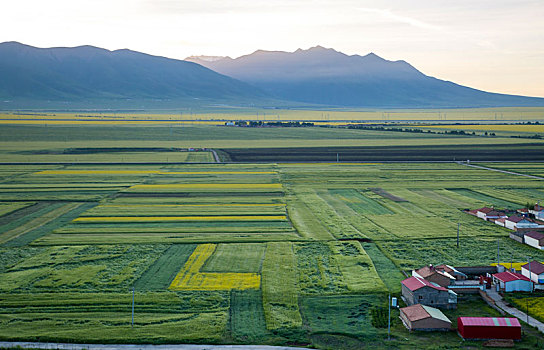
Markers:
point(88, 73)
point(326, 76)
point(318, 76)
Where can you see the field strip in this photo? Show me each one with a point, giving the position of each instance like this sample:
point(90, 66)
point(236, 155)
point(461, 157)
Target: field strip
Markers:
point(280, 287)
point(190, 277)
point(37, 222)
point(178, 218)
point(204, 186)
point(159, 275)
point(150, 172)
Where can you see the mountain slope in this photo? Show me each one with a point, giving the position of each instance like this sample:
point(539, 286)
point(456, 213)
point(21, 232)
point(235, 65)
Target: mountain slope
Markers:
point(325, 76)
point(86, 72)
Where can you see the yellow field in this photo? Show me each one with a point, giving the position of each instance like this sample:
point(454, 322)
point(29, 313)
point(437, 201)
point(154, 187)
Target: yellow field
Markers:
point(205, 186)
point(190, 277)
point(331, 116)
point(516, 265)
point(106, 219)
point(149, 172)
point(490, 127)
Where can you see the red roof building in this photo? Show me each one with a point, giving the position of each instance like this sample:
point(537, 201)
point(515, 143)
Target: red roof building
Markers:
point(489, 328)
point(416, 290)
point(512, 282)
point(415, 283)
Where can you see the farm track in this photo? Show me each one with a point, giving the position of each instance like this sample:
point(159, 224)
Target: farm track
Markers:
point(503, 171)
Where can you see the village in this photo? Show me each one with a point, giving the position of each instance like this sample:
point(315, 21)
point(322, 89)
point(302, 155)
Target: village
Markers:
point(431, 288)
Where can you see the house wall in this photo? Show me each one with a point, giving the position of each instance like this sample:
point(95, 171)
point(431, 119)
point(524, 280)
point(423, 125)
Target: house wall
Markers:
point(534, 277)
point(516, 237)
point(489, 332)
point(430, 324)
point(509, 224)
point(533, 242)
point(408, 295)
point(480, 215)
point(519, 285)
point(429, 296)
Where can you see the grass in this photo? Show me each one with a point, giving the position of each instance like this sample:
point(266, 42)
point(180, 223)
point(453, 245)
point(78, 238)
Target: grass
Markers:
point(280, 287)
point(247, 323)
point(314, 277)
point(159, 275)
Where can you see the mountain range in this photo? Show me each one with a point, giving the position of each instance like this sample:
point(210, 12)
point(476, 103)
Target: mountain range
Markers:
point(94, 76)
point(325, 76)
point(99, 78)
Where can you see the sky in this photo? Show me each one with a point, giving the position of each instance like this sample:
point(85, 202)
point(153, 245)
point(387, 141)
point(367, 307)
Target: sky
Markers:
point(493, 45)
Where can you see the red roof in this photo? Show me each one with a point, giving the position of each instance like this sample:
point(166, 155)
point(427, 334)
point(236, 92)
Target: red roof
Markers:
point(490, 321)
point(515, 218)
point(535, 267)
point(508, 276)
point(501, 220)
point(414, 283)
point(485, 210)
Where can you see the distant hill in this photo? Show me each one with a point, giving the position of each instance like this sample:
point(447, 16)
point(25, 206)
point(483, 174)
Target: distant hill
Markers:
point(325, 76)
point(88, 73)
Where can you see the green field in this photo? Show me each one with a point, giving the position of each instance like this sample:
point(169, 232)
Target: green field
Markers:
point(314, 248)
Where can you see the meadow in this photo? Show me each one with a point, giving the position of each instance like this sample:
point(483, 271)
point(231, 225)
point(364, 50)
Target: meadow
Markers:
point(266, 253)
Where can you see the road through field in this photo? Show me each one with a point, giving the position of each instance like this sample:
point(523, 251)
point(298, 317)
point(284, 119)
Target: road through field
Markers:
point(503, 171)
point(67, 346)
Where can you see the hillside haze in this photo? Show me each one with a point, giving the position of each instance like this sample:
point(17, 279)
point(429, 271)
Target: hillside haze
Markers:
point(91, 73)
point(325, 76)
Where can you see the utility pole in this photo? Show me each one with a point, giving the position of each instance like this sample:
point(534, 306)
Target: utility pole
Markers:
point(132, 306)
point(458, 224)
point(498, 253)
point(389, 317)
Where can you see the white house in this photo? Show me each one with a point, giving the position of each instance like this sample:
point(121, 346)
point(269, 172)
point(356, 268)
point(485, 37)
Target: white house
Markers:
point(512, 282)
point(481, 213)
point(535, 269)
point(515, 222)
point(534, 239)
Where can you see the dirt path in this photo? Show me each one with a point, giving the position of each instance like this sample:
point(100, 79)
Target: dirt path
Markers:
point(215, 156)
point(513, 311)
point(67, 346)
point(502, 171)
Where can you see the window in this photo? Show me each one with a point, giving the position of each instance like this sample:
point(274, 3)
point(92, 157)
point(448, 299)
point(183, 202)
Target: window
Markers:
point(420, 297)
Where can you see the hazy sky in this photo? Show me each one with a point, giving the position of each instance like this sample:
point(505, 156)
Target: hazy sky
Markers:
point(494, 45)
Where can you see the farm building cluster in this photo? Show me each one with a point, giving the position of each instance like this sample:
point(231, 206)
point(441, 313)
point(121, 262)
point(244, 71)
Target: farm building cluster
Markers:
point(432, 288)
point(527, 225)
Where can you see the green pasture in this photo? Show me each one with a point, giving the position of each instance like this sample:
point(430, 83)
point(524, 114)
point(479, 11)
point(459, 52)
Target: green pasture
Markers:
point(351, 232)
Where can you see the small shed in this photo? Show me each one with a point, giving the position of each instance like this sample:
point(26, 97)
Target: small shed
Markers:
point(536, 271)
point(534, 239)
point(489, 328)
point(424, 318)
point(512, 282)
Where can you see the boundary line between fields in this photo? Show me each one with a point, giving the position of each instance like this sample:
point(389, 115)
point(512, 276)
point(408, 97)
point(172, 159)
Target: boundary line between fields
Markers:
point(502, 171)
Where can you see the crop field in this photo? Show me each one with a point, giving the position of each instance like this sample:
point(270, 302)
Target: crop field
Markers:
point(266, 253)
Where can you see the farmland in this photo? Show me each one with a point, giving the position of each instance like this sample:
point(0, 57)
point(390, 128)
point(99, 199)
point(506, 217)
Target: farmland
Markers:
point(254, 252)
